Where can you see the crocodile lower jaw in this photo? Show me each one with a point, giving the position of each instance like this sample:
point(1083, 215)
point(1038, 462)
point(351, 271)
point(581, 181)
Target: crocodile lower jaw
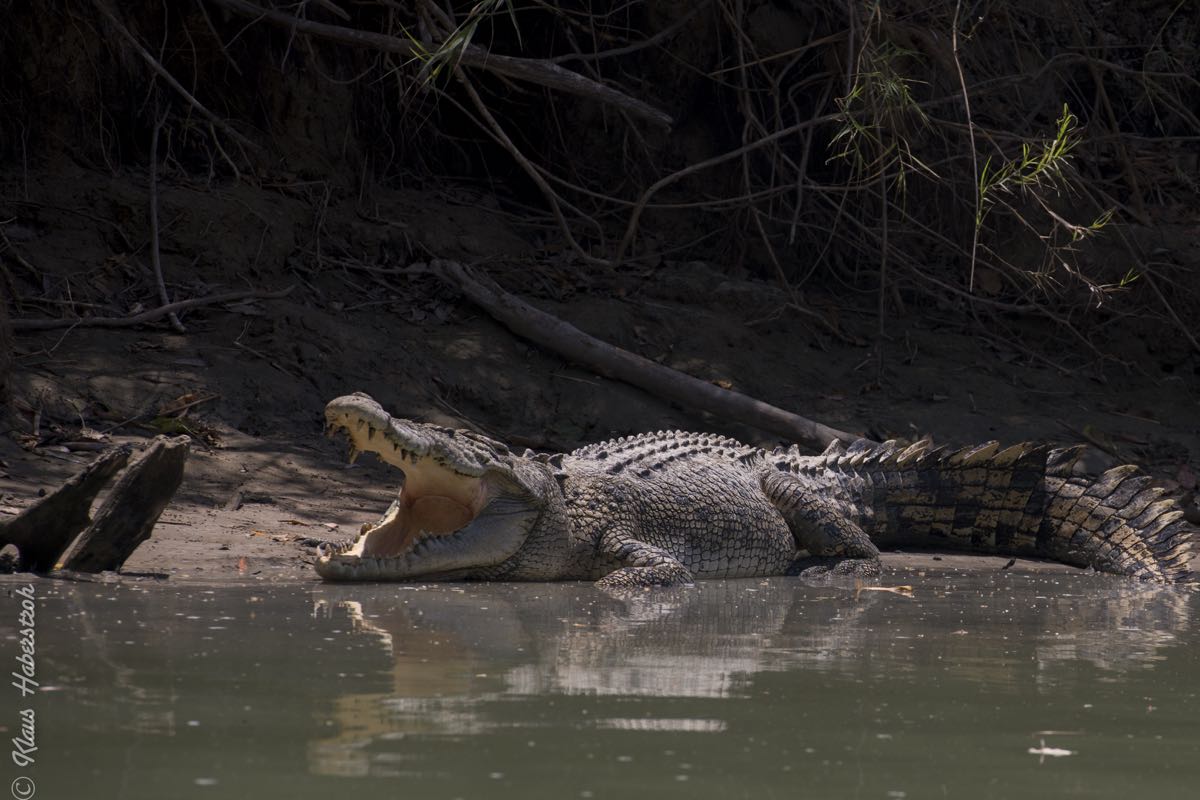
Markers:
point(344, 563)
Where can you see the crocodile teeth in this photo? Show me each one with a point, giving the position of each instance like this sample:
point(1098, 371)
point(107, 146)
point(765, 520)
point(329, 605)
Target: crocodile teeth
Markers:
point(331, 549)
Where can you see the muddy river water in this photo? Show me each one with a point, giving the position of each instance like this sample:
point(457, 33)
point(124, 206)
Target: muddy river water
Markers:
point(993, 685)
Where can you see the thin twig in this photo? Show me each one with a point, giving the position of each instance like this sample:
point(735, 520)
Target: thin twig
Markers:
point(155, 258)
point(125, 240)
point(179, 409)
point(16, 256)
point(551, 196)
point(633, 47)
point(1148, 276)
point(217, 38)
point(661, 183)
point(267, 359)
point(170, 79)
point(165, 413)
point(145, 316)
point(962, 82)
point(330, 7)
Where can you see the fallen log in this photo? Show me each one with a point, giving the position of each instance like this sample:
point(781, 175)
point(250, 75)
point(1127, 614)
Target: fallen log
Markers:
point(571, 343)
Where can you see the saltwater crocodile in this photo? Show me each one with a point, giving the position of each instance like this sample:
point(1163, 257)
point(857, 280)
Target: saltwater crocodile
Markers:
point(661, 509)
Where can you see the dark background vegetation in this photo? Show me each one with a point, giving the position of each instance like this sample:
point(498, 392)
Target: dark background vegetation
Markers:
point(837, 152)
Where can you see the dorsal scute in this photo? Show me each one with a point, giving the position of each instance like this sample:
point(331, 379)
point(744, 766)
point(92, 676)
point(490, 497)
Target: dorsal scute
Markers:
point(980, 454)
point(882, 453)
point(931, 458)
point(1034, 456)
point(657, 449)
point(958, 456)
point(1010, 455)
point(1060, 462)
point(1108, 483)
point(911, 452)
point(861, 446)
point(834, 448)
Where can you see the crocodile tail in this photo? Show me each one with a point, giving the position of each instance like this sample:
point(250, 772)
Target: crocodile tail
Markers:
point(1117, 523)
point(1024, 501)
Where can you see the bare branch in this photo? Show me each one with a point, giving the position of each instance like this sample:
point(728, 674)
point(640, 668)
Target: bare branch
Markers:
point(540, 71)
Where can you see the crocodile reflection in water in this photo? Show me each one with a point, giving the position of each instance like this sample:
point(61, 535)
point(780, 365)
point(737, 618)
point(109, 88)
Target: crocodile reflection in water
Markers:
point(457, 651)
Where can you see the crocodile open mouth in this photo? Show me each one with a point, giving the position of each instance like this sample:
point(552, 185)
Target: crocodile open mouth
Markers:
point(461, 511)
point(432, 502)
point(434, 499)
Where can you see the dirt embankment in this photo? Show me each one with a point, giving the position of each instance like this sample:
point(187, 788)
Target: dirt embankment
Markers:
point(6, 352)
point(262, 483)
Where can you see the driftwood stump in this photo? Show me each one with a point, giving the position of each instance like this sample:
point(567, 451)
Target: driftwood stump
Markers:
point(47, 528)
point(128, 515)
point(44, 531)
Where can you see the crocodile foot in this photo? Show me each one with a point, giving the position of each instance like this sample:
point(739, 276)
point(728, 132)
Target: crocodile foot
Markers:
point(659, 575)
point(832, 567)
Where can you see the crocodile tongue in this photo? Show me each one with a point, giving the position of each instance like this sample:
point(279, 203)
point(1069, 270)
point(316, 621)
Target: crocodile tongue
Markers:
point(410, 519)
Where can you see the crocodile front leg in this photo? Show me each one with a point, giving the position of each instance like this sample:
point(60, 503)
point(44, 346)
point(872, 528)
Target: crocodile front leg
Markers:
point(642, 565)
point(837, 546)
